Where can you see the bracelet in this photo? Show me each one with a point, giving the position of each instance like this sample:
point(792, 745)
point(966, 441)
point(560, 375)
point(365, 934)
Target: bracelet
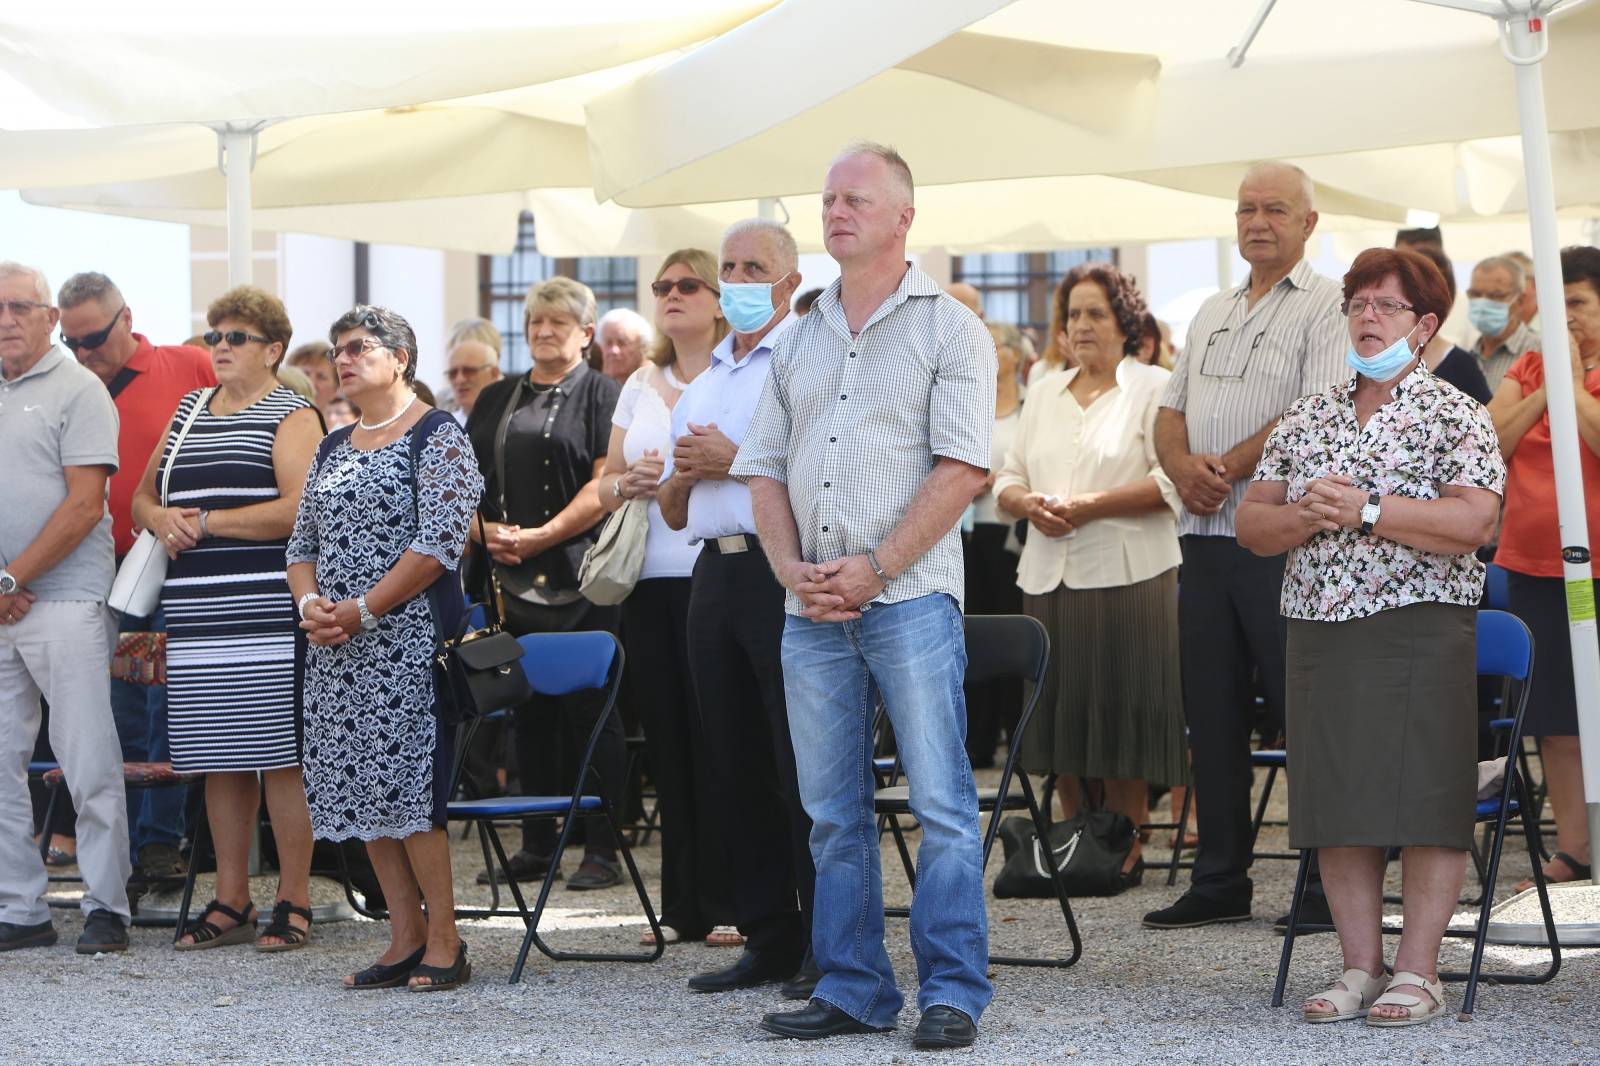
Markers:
point(205, 532)
point(872, 561)
point(300, 604)
point(616, 488)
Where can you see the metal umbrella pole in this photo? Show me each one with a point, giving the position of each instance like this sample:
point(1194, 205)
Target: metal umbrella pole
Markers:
point(236, 158)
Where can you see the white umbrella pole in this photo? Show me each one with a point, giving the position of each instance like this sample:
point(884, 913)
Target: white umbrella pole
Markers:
point(1526, 42)
point(236, 158)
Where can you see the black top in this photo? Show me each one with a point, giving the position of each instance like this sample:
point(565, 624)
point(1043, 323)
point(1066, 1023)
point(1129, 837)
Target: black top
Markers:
point(555, 436)
point(1460, 368)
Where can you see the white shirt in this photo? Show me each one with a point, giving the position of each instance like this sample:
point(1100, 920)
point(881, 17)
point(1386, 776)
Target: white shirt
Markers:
point(726, 393)
point(1064, 450)
point(987, 507)
point(647, 420)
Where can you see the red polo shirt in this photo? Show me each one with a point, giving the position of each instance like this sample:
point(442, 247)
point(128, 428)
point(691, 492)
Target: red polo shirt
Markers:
point(163, 376)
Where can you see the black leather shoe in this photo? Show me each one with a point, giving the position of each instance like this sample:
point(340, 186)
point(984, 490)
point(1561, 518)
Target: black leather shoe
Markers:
point(14, 936)
point(1314, 917)
point(102, 931)
point(752, 968)
point(803, 983)
point(1192, 910)
point(816, 1021)
point(943, 1027)
point(525, 867)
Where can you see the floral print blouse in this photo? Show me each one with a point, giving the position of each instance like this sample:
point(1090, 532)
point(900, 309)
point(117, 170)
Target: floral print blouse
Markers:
point(1429, 435)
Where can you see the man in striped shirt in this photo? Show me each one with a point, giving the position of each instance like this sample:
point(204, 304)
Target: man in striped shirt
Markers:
point(1251, 352)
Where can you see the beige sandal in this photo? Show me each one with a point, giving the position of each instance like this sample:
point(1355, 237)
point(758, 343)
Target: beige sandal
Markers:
point(1352, 1001)
point(668, 935)
point(1404, 999)
point(725, 936)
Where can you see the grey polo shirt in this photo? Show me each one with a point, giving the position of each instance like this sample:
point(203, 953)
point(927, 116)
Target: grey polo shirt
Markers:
point(1243, 366)
point(1518, 343)
point(56, 415)
point(854, 425)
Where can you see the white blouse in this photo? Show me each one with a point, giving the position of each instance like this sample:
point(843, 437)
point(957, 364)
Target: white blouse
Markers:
point(1065, 450)
point(648, 421)
point(986, 507)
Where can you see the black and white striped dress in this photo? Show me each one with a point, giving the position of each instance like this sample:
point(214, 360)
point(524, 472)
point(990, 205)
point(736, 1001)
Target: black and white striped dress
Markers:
point(233, 647)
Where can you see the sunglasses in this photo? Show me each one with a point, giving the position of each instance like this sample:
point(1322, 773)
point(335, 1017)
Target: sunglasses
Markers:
point(94, 340)
point(354, 349)
point(687, 286)
point(234, 337)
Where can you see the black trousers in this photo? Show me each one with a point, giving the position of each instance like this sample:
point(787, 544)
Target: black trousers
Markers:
point(655, 617)
point(991, 588)
point(551, 733)
point(1228, 623)
point(735, 650)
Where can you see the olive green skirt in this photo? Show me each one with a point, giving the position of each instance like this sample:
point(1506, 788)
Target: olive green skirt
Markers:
point(1382, 729)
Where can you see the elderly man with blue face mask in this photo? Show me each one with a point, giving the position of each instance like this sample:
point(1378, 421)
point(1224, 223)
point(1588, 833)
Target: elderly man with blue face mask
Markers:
point(1494, 298)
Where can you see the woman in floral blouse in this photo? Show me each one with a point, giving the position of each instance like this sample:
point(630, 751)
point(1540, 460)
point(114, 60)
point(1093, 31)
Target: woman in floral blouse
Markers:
point(1380, 490)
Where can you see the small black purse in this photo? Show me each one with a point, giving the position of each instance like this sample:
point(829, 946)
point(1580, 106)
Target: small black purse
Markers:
point(475, 672)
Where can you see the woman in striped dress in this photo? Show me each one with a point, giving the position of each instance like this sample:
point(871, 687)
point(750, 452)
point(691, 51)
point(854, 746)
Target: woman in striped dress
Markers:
point(233, 649)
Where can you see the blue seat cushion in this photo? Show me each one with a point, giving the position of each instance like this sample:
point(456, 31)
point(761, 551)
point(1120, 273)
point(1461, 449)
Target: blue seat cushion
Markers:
point(1489, 809)
point(518, 806)
point(1502, 725)
point(37, 769)
point(884, 765)
point(1269, 757)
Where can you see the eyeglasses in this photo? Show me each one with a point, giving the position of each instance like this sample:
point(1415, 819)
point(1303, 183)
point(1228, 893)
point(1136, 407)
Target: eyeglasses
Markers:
point(354, 349)
point(20, 308)
point(94, 340)
point(687, 286)
point(234, 337)
point(1387, 306)
point(464, 371)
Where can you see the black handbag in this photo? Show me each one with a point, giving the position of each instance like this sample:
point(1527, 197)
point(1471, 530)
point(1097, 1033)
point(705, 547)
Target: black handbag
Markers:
point(1088, 848)
point(475, 672)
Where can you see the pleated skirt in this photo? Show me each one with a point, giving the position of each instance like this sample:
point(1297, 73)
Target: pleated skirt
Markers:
point(1382, 729)
point(1112, 704)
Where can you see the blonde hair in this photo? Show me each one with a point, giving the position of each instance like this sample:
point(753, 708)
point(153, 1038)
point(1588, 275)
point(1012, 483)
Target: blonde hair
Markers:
point(704, 266)
point(573, 297)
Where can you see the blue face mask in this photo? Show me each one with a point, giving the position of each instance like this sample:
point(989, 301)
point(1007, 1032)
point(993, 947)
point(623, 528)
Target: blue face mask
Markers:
point(748, 305)
point(1387, 363)
point(1489, 317)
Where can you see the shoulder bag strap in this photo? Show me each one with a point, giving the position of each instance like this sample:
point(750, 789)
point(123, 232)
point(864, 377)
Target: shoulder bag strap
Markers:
point(172, 457)
point(123, 379)
point(500, 446)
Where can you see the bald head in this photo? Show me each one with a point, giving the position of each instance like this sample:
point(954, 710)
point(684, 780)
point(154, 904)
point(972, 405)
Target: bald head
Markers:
point(968, 295)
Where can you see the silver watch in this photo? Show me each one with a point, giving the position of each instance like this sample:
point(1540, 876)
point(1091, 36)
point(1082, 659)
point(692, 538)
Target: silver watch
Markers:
point(8, 584)
point(369, 621)
point(1369, 513)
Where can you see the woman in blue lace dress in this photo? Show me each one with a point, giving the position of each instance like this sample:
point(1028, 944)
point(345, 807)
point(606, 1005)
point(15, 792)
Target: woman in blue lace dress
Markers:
point(377, 535)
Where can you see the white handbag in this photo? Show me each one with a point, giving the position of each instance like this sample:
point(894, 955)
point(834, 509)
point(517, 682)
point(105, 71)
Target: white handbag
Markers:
point(137, 588)
point(612, 564)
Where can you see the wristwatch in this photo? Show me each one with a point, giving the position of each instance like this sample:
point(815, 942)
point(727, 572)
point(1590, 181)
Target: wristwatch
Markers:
point(8, 584)
point(1369, 513)
point(369, 621)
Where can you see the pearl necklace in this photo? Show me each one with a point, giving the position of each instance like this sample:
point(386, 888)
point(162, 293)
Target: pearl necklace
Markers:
point(391, 420)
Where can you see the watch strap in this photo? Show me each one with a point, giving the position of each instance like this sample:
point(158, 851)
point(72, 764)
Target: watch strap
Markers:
point(1372, 502)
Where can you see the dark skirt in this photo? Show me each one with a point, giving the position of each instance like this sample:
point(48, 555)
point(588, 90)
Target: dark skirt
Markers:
point(1541, 602)
point(1382, 729)
point(1113, 701)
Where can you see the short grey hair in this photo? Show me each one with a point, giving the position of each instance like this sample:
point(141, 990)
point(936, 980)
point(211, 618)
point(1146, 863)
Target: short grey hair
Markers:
point(1514, 269)
point(628, 318)
point(776, 232)
point(392, 330)
point(891, 158)
point(573, 297)
point(81, 288)
point(474, 329)
point(1308, 188)
point(41, 286)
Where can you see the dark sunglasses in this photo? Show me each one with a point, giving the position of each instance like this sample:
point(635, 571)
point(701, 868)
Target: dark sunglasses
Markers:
point(687, 286)
point(234, 337)
point(353, 349)
point(94, 340)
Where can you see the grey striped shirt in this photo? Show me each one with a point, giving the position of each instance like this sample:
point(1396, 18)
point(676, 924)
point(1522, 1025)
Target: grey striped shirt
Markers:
point(1243, 366)
point(854, 426)
point(1495, 364)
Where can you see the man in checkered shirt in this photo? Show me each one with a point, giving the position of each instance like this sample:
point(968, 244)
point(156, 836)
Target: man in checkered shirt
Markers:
point(870, 440)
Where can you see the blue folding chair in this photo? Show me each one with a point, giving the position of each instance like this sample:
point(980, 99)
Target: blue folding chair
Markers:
point(558, 664)
point(1505, 649)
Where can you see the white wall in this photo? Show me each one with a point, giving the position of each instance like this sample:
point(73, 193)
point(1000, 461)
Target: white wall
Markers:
point(411, 281)
point(318, 283)
point(148, 261)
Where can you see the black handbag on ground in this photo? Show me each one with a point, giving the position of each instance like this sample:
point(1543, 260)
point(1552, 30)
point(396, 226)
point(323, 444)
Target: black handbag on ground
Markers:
point(475, 672)
point(1088, 848)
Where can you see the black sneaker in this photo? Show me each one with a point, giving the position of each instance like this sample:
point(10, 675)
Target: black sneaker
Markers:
point(14, 936)
point(1192, 911)
point(1314, 917)
point(525, 866)
point(102, 932)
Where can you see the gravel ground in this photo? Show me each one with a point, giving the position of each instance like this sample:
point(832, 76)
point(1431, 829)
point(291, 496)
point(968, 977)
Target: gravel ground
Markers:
point(1136, 996)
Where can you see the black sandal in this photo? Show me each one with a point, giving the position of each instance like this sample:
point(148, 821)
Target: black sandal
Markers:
point(292, 937)
point(440, 978)
point(379, 975)
point(208, 934)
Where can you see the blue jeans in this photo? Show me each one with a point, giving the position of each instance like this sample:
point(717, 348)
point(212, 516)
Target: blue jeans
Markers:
point(155, 815)
point(914, 653)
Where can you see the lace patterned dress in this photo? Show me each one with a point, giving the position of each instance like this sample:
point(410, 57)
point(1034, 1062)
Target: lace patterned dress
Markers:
point(376, 759)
